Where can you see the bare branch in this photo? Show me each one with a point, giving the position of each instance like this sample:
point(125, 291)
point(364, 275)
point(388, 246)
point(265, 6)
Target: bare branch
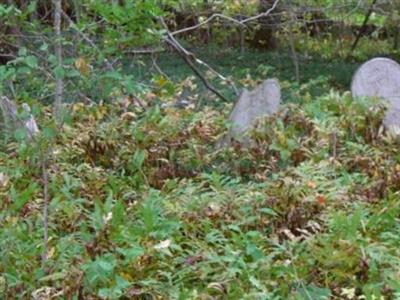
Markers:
point(156, 66)
point(214, 16)
point(144, 51)
point(197, 72)
point(230, 19)
point(262, 15)
point(177, 46)
point(46, 200)
point(188, 57)
point(87, 39)
point(362, 28)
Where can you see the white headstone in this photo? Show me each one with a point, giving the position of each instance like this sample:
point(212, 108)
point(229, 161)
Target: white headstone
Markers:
point(380, 77)
point(263, 101)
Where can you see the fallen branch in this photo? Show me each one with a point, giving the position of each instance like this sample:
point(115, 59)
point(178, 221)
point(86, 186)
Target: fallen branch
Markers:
point(188, 57)
point(198, 73)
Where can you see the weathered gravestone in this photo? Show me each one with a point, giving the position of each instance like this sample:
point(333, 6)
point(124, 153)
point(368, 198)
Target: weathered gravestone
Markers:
point(263, 101)
point(12, 120)
point(380, 77)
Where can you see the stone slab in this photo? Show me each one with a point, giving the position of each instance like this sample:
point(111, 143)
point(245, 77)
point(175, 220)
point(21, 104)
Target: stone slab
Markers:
point(380, 77)
point(262, 101)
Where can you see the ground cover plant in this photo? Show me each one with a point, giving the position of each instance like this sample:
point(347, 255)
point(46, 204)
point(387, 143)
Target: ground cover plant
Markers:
point(125, 192)
point(144, 206)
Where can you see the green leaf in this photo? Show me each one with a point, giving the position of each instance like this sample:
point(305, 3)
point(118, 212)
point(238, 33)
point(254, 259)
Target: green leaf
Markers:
point(138, 159)
point(53, 277)
point(268, 211)
point(254, 252)
point(20, 134)
point(22, 51)
point(73, 73)
point(49, 132)
point(313, 292)
point(44, 47)
point(32, 7)
point(118, 213)
point(20, 199)
point(31, 61)
point(113, 75)
point(131, 253)
point(59, 72)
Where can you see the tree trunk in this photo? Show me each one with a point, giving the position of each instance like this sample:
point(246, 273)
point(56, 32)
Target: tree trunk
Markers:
point(292, 42)
point(58, 53)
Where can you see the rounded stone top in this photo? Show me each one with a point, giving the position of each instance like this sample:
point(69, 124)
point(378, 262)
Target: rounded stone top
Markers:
point(378, 77)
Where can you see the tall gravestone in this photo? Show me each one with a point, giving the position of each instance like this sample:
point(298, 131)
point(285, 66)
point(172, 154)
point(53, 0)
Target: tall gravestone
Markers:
point(380, 77)
point(262, 101)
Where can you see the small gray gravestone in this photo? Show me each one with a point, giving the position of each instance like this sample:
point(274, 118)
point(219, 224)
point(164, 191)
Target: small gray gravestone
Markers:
point(380, 77)
point(12, 120)
point(263, 101)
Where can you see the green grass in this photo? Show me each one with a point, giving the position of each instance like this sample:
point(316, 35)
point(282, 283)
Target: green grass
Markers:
point(316, 73)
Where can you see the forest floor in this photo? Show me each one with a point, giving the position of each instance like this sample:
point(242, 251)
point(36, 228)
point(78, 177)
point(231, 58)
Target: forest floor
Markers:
point(144, 206)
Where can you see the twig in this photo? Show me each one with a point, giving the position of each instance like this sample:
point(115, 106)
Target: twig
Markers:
point(197, 72)
point(46, 200)
point(223, 78)
point(188, 57)
point(362, 28)
point(214, 16)
point(334, 144)
point(88, 40)
point(221, 16)
point(156, 66)
point(262, 15)
point(86, 100)
point(144, 51)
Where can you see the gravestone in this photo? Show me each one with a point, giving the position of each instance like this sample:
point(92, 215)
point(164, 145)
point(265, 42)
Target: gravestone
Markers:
point(380, 77)
point(13, 121)
point(263, 101)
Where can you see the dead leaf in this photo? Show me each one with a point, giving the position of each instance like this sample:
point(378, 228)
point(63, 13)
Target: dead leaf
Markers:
point(128, 116)
point(311, 184)
point(82, 66)
point(163, 245)
point(321, 199)
point(3, 180)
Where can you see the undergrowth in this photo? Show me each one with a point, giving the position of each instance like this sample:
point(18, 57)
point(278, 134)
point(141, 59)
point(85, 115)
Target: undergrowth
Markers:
point(145, 206)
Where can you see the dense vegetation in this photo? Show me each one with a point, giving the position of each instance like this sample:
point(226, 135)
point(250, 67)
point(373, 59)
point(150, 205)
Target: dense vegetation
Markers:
point(124, 195)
